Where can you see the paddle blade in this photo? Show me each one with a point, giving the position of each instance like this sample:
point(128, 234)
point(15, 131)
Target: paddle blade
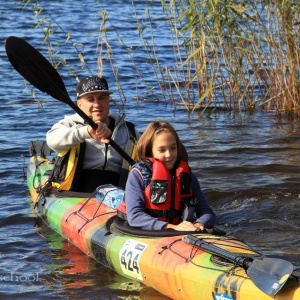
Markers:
point(35, 68)
point(269, 274)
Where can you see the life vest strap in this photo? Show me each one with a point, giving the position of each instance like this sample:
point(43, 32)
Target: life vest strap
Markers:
point(165, 214)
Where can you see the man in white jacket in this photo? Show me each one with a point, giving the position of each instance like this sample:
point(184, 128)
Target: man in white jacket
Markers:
point(100, 163)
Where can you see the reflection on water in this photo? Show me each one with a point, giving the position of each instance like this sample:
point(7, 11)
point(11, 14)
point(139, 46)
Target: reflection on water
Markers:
point(77, 274)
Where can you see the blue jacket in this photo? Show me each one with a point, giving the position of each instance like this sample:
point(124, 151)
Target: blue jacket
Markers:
point(135, 204)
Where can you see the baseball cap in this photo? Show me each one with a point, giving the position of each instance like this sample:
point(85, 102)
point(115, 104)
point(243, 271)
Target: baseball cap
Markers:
point(92, 84)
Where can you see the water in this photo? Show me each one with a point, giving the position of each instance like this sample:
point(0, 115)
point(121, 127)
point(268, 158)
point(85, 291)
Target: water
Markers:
point(248, 167)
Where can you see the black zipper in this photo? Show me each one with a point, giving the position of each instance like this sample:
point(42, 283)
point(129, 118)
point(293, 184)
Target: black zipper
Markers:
point(172, 210)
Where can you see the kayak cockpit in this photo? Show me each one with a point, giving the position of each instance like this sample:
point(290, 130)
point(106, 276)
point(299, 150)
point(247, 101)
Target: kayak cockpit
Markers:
point(122, 227)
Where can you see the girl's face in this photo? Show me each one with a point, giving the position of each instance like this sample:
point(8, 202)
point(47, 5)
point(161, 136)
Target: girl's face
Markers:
point(164, 148)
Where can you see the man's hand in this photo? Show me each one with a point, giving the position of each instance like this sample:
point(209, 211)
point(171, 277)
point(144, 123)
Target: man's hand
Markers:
point(101, 134)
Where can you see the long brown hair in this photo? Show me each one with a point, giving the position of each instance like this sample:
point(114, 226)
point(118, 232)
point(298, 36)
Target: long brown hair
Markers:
point(145, 142)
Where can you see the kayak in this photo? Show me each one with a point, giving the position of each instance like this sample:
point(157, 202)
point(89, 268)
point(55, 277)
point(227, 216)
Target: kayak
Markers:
point(179, 265)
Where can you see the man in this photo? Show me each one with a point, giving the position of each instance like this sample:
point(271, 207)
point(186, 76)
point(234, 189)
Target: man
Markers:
point(85, 159)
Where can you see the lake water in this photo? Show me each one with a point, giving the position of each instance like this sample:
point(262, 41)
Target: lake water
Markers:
point(248, 166)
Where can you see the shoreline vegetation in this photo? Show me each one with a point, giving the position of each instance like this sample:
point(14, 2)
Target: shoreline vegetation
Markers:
point(228, 55)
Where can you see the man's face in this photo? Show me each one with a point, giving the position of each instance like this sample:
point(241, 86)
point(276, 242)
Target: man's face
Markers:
point(95, 105)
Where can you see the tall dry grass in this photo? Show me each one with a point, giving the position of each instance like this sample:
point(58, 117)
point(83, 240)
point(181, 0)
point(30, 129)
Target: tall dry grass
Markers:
point(244, 54)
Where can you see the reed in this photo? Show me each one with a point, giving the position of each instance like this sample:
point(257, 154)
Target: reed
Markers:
point(230, 55)
point(244, 54)
point(51, 28)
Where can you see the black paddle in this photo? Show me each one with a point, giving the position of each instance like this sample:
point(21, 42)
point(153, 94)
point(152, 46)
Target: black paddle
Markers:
point(36, 69)
point(268, 274)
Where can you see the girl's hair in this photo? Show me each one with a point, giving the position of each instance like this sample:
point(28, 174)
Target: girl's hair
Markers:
point(145, 142)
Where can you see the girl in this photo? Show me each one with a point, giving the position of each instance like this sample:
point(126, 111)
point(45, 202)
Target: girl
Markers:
point(161, 192)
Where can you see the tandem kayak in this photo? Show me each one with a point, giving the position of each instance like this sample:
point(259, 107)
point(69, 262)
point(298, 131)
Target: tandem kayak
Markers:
point(179, 265)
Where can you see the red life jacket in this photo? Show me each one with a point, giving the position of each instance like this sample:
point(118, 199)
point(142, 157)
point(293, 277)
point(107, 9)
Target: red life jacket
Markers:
point(164, 193)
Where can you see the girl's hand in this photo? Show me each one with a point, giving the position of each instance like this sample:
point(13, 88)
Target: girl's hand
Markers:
point(198, 226)
point(186, 226)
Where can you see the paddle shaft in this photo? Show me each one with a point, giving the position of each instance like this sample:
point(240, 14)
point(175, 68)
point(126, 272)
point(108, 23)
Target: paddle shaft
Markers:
point(232, 257)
